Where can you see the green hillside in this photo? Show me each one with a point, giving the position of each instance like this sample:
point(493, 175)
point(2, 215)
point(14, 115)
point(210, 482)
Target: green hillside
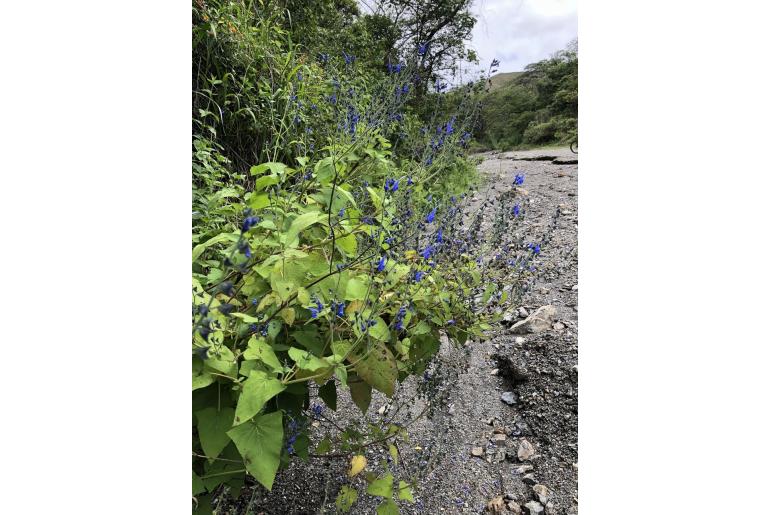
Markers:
point(531, 108)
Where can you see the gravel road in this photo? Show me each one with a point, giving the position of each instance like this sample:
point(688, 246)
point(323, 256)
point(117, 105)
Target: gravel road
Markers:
point(527, 450)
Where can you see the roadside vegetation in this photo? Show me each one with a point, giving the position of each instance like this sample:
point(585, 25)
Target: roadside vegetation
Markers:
point(328, 246)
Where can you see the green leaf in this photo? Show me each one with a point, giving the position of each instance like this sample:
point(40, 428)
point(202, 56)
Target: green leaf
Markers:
point(197, 484)
point(388, 507)
point(299, 224)
point(380, 331)
point(328, 393)
point(258, 200)
point(265, 181)
point(361, 393)
point(382, 486)
point(348, 245)
point(257, 390)
point(222, 360)
point(274, 167)
point(307, 361)
point(356, 289)
point(405, 492)
point(212, 429)
point(260, 442)
point(200, 376)
point(259, 349)
point(376, 366)
point(219, 238)
point(324, 447)
point(393, 453)
point(346, 498)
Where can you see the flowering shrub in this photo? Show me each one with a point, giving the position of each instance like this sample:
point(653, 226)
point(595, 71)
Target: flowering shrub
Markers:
point(340, 259)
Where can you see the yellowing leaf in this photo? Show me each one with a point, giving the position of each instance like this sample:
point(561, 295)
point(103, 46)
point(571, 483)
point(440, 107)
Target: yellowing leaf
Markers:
point(357, 464)
point(288, 315)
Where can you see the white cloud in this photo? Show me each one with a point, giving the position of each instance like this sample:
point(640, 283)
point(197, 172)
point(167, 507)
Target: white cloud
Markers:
point(519, 32)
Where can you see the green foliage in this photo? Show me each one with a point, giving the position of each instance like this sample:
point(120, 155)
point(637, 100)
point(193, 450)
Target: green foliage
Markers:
point(306, 267)
point(536, 107)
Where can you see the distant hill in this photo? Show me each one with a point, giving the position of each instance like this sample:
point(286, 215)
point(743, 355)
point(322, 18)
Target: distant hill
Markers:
point(535, 107)
point(501, 79)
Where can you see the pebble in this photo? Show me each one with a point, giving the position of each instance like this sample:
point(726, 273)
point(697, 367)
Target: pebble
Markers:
point(559, 326)
point(529, 479)
point(526, 450)
point(533, 508)
point(499, 437)
point(494, 371)
point(537, 322)
point(519, 340)
point(477, 451)
point(509, 398)
point(523, 313)
point(542, 493)
point(514, 507)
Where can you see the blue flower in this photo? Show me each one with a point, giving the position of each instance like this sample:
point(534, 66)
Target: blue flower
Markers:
point(429, 161)
point(381, 264)
point(299, 76)
point(226, 288)
point(249, 222)
point(391, 185)
point(226, 309)
point(315, 310)
point(333, 98)
point(516, 210)
point(427, 252)
point(440, 235)
point(449, 128)
point(341, 214)
point(341, 309)
point(418, 276)
point(349, 58)
point(323, 58)
point(450, 322)
point(431, 216)
point(422, 49)
point(536, 249)
point(405, 89)
point(518, 180)
point(409, 181)
point(317, 409)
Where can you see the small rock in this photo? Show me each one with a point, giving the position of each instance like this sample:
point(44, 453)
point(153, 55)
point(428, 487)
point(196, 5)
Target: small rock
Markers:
point(381, 410)
point(494, 371)
point(542, 493)
point(509, 398)
point(523, 313)
point(514, 507)
point(559, 326)
point(519, 340)
point(529, 479)
point(537, 322)
point(496, 505)
point(533, 508)
point(574, 288)
point(526, 450)
point(510, 497)
point(499, 438)
point(477, 451)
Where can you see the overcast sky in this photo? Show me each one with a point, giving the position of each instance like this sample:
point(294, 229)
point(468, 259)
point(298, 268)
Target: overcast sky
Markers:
point(519, 32)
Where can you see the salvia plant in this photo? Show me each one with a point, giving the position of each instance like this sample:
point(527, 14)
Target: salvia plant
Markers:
point(338, 261)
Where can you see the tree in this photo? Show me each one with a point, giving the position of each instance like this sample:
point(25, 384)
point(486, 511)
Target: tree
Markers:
point(436, 29)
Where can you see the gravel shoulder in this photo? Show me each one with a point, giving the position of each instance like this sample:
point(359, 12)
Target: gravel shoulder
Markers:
point(469, 446)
